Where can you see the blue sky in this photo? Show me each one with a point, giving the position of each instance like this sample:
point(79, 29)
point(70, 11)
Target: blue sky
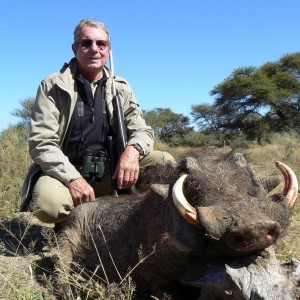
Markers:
point(172, 52)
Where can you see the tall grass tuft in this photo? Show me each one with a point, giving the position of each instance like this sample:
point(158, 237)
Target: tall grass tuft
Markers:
point(14, 162)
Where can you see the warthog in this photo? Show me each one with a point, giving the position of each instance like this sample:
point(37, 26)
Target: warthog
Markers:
point(202, 210)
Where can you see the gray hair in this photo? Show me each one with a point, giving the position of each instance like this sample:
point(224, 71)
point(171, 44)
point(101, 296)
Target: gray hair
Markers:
point(88, 22)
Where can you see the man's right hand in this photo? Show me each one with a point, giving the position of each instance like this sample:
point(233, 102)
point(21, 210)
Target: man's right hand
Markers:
point(81, 191)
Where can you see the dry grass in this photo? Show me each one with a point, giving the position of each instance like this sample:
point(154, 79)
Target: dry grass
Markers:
point(177, 152)
point(17, 278)
point(284, 147)
point(14, 162)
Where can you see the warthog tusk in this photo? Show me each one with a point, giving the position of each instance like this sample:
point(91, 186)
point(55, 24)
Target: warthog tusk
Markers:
point(184, 208)
point(291, 182)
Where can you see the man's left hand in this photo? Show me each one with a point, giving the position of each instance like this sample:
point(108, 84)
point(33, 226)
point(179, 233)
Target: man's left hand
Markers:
point(127, 171)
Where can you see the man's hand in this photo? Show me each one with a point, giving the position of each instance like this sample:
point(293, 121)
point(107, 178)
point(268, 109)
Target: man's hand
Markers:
point(81, 191)
point(127, 170)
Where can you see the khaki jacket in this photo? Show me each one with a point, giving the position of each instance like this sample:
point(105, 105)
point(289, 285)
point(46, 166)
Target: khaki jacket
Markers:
point(55, 102)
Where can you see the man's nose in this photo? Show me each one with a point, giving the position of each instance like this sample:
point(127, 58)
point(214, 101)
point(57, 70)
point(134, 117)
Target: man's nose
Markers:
point(94, 47)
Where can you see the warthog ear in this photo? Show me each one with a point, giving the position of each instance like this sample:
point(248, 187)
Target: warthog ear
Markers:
point(187, 165)
point(271, 182)
point(160, 189)
point(239, 160)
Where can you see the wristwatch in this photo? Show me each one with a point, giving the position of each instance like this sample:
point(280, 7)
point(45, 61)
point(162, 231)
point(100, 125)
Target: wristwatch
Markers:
point(138, 148)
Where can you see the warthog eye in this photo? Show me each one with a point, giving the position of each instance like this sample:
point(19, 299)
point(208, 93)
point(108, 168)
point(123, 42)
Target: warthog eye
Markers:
point(238, 239)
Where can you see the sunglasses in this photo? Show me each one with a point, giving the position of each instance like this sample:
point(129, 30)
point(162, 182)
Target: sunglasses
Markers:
point(87, 43)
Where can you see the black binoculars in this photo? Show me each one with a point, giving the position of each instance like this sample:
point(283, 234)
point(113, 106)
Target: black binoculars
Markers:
point(93, 166)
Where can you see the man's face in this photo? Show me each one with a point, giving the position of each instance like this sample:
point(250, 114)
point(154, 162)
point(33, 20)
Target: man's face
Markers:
point(91, 52)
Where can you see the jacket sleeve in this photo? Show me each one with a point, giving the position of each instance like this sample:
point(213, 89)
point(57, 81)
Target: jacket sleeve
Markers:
point(137, 129)
point(45, 138)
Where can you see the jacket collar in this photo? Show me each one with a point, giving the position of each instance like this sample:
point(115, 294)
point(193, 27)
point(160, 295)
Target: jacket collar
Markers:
point(67, 80)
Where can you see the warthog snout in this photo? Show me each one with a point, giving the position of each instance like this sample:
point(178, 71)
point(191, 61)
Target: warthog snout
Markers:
point(251, 236)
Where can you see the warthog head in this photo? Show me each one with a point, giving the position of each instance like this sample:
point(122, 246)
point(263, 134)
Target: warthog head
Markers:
point(232, 205)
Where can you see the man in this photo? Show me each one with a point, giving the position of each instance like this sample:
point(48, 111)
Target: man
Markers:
point(73, 114)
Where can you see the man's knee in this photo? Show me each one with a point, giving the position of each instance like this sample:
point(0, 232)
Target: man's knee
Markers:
point(166, 158)
point(157, 157)
point(51, 200)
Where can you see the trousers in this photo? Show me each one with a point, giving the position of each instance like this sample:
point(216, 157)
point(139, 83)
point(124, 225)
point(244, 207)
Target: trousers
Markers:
point(52, 201)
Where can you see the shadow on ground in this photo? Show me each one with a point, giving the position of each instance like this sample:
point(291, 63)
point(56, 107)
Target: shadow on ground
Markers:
point(23, 235)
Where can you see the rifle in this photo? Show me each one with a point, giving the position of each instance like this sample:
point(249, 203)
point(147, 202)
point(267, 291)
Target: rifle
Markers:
point(117, 144)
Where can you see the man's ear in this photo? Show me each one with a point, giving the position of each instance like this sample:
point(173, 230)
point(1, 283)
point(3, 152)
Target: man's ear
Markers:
point(74, 48)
